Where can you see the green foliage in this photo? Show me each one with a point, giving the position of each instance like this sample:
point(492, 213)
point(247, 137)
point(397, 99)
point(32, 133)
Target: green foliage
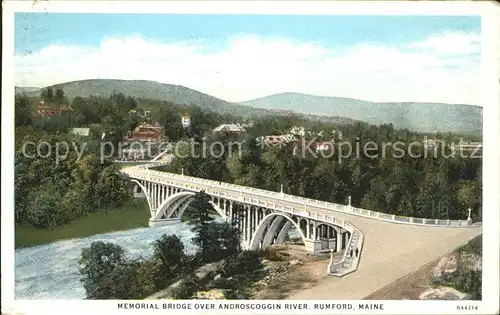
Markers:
point(272, 254)
point(464, 280)
point(185, 289)
point(474, 246)
point(241, 265)
point(50, 192)
point(100, 264)
point(23, 111)
point(215, 240)
point(431, 187)
point(169, 250)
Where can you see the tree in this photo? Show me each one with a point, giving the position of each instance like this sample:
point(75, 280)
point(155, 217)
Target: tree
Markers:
point(23, 114)
point(44, 208)
point(59, 98)
point(230, 238)
point(111, 188)
point(201, 227)
point(49, 95)
point(169, 249)
point(98, 264)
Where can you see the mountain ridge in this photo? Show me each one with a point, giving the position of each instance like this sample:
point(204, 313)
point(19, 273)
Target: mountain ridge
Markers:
point(420, 117)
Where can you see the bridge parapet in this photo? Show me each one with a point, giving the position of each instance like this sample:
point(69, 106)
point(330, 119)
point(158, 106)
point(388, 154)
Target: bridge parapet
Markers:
point(145, 172)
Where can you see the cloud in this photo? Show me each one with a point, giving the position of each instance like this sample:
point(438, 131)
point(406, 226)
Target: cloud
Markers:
point(441, 68)
point(450, 43)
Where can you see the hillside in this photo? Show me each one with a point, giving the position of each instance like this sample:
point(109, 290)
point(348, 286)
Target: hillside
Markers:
point(421, 117)
point(26, 89)
point(166, 92)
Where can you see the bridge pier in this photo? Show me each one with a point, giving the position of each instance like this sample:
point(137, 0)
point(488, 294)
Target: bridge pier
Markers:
point(163, 222)
point(313, 246)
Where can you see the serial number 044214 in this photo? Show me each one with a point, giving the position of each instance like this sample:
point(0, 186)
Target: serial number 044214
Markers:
point(467, 307)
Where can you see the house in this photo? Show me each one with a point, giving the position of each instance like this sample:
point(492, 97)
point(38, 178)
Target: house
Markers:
point(470, 147)
point(146, 132)
point(323, 146)
point(301, 145)
point(51, 110)
point(186, 121)
point(134, 154)
point(84, 132)
point(276, 140)
point(430, 143)
point(230, 128)
point(298, 131)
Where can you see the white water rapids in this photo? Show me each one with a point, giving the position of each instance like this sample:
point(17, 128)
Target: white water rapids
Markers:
point(51, 271)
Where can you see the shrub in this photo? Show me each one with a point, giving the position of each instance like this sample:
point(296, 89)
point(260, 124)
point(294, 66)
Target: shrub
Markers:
point(244, 263)
point(271, 254)
point(186, 288)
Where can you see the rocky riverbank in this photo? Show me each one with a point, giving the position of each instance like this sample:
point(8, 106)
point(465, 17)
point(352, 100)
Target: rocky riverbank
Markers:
point(285, 270)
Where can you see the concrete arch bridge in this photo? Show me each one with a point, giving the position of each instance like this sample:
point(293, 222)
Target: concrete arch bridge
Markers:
point(265, 217)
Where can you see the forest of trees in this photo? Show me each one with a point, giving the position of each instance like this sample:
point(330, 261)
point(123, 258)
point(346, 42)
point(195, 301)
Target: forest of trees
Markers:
point(432, 187)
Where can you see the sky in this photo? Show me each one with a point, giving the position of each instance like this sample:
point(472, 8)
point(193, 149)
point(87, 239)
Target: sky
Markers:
point(242, 57)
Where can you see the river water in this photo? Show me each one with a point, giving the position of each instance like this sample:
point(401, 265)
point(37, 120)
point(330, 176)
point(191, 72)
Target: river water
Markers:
point(51, 271)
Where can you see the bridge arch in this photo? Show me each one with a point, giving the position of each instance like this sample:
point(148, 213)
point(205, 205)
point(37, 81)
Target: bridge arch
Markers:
point(181, 199)
point(145, 191)
point(261, 234)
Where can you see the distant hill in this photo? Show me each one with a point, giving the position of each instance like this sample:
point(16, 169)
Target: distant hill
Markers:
point(421, 117)
point(26, 89)
point(167, 92)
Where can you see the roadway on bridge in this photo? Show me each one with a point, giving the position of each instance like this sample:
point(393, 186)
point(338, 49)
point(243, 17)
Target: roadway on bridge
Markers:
point(390, 251)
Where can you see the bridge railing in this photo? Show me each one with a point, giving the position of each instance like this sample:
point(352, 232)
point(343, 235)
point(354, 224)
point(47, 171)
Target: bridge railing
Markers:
point(144, 172)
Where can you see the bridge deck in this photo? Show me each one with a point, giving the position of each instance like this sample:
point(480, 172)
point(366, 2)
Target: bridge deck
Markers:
point(391, 248)
point(390, 251)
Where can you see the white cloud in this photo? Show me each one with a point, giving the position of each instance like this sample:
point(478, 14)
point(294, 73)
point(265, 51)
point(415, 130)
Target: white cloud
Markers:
point(450, 43)
point(441, 68)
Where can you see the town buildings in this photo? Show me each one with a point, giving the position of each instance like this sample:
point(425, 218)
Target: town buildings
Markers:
point(146, 132)
point(49, 110)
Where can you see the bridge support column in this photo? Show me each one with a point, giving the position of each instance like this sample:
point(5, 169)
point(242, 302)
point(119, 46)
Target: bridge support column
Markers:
point(163, 222)
point(340, 241)
point(271, 232)
point(283, 233)
point(246, 225)
point(138, 193)
point(313, 246)
point(231, 210)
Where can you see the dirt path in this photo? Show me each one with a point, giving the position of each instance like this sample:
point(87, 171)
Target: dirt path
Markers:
point(306, 272)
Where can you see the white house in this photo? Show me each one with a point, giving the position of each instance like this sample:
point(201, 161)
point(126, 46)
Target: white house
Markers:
point(298, 131)
point(80, 131)
point(186, 121)
point(230, 128)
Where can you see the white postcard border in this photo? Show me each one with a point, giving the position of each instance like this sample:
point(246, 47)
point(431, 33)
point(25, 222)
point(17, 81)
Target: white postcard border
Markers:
point(491, 113)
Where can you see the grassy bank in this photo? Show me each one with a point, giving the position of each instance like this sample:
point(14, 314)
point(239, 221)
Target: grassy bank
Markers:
point(133, 214)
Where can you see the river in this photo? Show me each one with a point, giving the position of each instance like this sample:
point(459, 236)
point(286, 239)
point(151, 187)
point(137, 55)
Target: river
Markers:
point(51, 271)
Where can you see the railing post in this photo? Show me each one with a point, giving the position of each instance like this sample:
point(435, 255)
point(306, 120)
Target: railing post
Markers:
point(393, 217)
